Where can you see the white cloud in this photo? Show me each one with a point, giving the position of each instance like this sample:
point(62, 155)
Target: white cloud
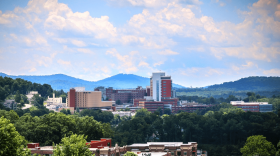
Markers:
point(44, 60)
point(128, 63)
point(168, 52)
point(151, 3)
point(78, 43)
point(143, 64)
point(32, 70)
point(158, 63)
point(65, 63)
point(84, 50)
point(272, 72)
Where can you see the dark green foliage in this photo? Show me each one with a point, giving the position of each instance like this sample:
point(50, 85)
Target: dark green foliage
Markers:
point(52, 127)
point(17, 97)
point(222, 133)
point(167, 111)
point(64, 111)
point(19, 86)
point(98, 115)
point(254, 83)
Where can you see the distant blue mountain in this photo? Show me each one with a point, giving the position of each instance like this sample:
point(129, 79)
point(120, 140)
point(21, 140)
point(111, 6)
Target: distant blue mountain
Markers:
point(61, 81)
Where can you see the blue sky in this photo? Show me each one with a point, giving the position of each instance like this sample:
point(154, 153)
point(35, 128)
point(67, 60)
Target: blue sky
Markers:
point(198, 43)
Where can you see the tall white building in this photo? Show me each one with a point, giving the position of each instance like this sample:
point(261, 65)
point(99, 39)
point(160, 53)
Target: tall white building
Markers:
point(156, 85)
point(161, 86)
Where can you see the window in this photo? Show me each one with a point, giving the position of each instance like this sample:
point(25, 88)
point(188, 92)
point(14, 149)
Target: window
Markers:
point(185, 153)
point(172, 153)
point(164, 84)
point(164, 81)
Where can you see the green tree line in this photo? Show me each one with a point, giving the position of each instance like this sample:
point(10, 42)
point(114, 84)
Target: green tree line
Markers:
point(51, 128)
point(221, 132)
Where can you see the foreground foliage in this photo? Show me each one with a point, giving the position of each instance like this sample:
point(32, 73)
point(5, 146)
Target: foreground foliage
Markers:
point(258, 145)
point(75, 145)
point(11, 142)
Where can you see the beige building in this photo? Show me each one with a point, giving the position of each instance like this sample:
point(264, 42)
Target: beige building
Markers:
point(86, 99)
point(54, 100)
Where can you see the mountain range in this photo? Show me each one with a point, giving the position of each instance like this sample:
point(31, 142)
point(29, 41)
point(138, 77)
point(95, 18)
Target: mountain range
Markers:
point(65, 82)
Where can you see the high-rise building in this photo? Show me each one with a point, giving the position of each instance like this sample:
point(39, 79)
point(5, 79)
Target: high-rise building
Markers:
point(78, 97)
point(161, 86)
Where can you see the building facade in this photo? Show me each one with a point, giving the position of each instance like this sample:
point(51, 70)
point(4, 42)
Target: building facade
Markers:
point(87, 99)
point(103, 148)
point(174, 148)
point(161, 86)
point(54, 100)
point(253, 106)
point(125, 95)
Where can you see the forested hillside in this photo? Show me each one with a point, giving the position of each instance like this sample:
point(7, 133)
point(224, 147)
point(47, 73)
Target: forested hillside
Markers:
point(264, 86)
point(253, 83)
point(9, 86)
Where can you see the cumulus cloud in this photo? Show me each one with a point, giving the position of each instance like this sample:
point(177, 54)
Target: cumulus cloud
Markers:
point(151, 3)
point(78, 43)
point(272, 72)
point(168, 52)
point(84, 50)
point(62, 62)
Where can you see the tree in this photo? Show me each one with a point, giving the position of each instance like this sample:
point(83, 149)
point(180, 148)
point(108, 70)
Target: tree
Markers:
point(37, 101)
point(212, 100)
point(17, 97)
point(257, 145)
point(64, 111)
point(75, 145)
point(11, 141)
point(130, 154)
point(159, 111)
point(278, 152)
point(167, 111)
point(126, 109)
point(118, 102)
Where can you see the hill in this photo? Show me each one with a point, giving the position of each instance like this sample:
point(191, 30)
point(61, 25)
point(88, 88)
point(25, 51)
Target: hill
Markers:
point(265, 86)
point(61, 81)
point(256, 83)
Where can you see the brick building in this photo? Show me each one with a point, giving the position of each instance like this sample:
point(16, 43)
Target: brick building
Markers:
point(102, 148)
point(125, 95)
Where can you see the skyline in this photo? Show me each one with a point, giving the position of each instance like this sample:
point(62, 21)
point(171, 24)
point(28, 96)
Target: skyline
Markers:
point(198, 43)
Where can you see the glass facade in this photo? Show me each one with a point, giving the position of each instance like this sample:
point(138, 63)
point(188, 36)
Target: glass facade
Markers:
point(266, 108)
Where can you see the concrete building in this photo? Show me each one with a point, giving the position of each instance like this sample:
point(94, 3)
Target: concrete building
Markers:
point(103, 90)
point(124, 113)
point(103, 147)
point(161, 87)
point(31, 94)
point(86, 99)
point(54, 100)
point(10, 104)
point(165, 148)
point(253, 106)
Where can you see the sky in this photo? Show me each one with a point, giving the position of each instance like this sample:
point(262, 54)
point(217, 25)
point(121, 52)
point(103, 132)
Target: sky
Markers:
point(197, 42)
